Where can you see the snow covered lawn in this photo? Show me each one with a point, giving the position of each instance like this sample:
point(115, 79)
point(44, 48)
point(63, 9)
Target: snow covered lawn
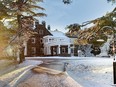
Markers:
point(87, 71)
point(92, 72)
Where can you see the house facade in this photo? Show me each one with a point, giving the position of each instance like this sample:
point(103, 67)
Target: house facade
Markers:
point(34, 46)
point(49, 43)
point(56, 44)
point(74, 47)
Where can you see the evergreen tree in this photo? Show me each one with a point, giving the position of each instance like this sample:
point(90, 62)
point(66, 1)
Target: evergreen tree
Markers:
point(5, 35)
point(15, 10)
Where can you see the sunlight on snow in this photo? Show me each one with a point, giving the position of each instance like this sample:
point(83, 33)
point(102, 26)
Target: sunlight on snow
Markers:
point(103, 70)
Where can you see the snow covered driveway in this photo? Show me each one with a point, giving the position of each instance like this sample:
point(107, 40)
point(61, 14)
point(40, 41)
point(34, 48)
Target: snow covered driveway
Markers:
point(19, 74)
point(88, 72)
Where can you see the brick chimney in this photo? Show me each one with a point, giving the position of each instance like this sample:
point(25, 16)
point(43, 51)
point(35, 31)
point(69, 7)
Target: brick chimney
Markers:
point(44, 23)
point(48, 27)
point(36, 23)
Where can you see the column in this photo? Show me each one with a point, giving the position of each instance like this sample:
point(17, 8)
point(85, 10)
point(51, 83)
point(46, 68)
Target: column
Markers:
point(58, 49)
point(69, 49)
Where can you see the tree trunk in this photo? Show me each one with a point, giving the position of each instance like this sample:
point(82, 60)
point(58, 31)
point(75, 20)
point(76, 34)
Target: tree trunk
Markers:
point(21, 49)
point(21, 55)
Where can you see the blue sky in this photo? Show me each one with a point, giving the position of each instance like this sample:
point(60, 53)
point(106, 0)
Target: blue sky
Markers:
point(60, 15)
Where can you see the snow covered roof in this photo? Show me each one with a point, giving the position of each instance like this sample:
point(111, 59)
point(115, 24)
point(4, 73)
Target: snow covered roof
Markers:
point(47, 36)
point(57, 33)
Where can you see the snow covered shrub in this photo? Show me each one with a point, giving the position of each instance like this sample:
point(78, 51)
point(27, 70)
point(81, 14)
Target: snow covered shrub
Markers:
point(96, 50)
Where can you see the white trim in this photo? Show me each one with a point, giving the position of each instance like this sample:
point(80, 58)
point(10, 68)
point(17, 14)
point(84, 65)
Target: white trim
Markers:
point(69, 50)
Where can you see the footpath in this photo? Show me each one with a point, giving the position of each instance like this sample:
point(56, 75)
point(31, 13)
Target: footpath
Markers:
point(45, 77)
point(15, 76)
point(29, 74)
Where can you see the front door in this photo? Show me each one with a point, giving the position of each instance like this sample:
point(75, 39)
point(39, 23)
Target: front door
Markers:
point(64, 50)
point(54, 50)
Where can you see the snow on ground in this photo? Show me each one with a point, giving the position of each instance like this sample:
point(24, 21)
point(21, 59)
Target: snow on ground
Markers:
point(14, 77)
point(45, 77)
point(92, 72)
point(57, 58)
point(87, 71)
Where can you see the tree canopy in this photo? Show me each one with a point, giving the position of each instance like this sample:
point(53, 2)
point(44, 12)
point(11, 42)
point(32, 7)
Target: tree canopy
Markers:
point(91, 34)
point(17, 15)
point(13, 11)
point(5, 36)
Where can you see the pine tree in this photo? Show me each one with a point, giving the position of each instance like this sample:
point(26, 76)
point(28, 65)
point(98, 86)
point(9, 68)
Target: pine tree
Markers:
point(15, 10)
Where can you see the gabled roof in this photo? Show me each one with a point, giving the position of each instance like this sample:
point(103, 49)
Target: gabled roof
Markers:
point(57, 33)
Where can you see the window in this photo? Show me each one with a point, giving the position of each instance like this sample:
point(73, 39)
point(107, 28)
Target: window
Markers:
point(61, 39)
point(33, 40)
point(46, 40)
point(40, 32)
point(72, 50)
point(50, 40)
point(63, 50)
point(33, 50)
point(41, 40)
point(45, 50)
point(41, 49)
point(54, 50)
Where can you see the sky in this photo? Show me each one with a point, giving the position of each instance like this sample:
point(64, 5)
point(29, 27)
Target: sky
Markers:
point(59, 15)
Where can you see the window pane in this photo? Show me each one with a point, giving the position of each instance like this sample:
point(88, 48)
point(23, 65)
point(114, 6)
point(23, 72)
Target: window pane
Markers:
point(40, 31)
point(33, 40)
point(33, 50)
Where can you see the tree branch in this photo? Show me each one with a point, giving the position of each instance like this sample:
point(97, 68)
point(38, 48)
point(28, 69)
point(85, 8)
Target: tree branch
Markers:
point(25, 2)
